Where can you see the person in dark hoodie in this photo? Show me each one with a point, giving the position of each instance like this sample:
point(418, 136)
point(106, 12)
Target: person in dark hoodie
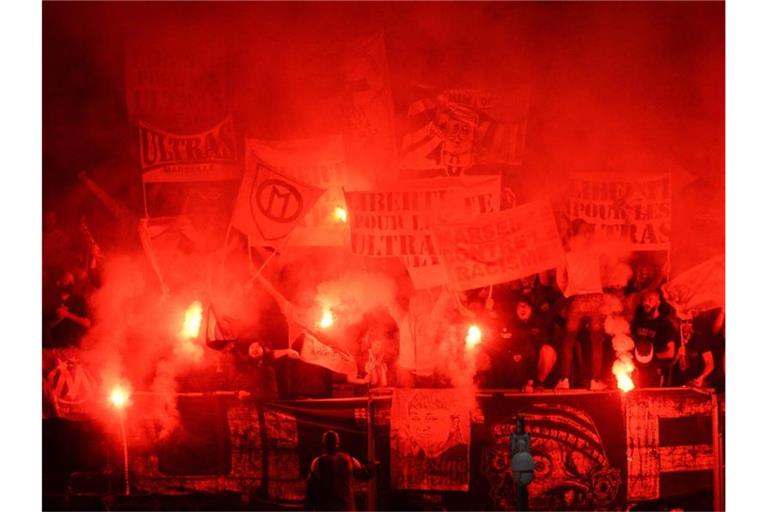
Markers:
point(511, 356)
point(329, 486)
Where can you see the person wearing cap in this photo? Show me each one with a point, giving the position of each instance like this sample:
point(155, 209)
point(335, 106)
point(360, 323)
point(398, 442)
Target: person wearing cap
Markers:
point(655, 341)
point(329, 486)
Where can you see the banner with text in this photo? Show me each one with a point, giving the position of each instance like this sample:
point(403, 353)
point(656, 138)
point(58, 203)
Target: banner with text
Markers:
point(395, 221)
point(178, 81)
point(206, 156)
point(490, 249)
point(636, 211)
point(318, 162)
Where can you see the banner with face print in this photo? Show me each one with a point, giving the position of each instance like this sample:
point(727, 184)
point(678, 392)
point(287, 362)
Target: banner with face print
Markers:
point(429, 440)
point(457, 130)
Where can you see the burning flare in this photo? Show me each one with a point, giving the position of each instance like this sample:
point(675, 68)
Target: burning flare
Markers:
point(193, 317)
point(340, 214)
point(118, 397)
point(327, 319)
point(474, 336)
point(622, 369)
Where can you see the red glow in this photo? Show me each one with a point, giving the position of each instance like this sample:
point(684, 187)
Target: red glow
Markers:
point(340, 214)
point(622, 369)
point(474, 336)
point(119, 397)
point(327, 319)
point(193, 317)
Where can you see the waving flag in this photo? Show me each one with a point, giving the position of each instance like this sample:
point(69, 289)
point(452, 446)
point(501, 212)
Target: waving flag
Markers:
point(699, 288)
point(269, 204)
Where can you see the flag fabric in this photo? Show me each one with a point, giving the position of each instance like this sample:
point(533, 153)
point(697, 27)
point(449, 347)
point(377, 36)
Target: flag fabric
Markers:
point(394, 221)
point(368, 119)
point(458, 129)
point(635, 211)
point(314, 351)
point(270, 204)
point(319, 162)
point(210, 155)
point(497, 248)
point(698, 289)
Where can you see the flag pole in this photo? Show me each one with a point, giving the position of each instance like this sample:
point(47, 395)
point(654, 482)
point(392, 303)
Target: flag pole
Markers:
point(371, 505)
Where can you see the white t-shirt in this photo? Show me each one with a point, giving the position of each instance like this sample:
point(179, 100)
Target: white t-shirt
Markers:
point(583, 272)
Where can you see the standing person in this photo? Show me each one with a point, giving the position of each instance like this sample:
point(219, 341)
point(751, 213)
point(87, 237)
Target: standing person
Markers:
point(695, 362)
point(329, 486)
point(581, 283)
point(655, 341)
point(510, 359)
point(68, 322)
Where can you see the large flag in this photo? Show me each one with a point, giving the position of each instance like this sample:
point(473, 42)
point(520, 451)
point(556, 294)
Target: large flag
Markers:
point(489, 249)
point(636, 211)
point(368, 121)
point(699, 288)
point(458, 129)
point(319, 162)
point(394, 221)
point(210, 155)
point(270, 204)
point(176, 80)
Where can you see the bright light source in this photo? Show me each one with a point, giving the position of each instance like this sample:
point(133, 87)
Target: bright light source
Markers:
point(119, 397)
point(474, 336)
point(193, 317)
point(622, 369)
point(327, 319)
point(340, 214)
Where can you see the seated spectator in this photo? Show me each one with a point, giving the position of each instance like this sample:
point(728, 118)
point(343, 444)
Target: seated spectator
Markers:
point(67, 321)
point(528, 323)
point(509, 359)
point(655, 342)
point(695, 362)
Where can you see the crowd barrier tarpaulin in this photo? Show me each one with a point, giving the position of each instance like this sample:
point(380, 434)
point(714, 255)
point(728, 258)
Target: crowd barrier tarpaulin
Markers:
point(637, 211)
point(395, 221)
point(455, 130)
point(319, 162)
point(496, 248)
point(430, 440)
point(592, 450)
